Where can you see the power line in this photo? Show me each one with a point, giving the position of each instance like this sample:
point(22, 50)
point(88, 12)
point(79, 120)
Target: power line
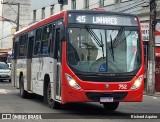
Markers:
point(136, 10)
point(5, 27)
point(6, 37)
point(133, 7)
point(127, 4)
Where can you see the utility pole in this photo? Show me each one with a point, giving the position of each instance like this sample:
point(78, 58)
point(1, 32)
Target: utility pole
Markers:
point(18, 13)
point(151, 56)
point(17, 29)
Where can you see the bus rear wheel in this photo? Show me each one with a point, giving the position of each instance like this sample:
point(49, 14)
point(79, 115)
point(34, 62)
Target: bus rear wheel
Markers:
point(48, 99)
point(111, 106)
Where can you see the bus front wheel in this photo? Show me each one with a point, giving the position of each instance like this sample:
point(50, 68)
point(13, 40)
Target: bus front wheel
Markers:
point(48, 99)
point(111, 106)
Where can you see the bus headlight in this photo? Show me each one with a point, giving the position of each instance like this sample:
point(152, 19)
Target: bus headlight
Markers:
point(72, 82)
point(137, 82)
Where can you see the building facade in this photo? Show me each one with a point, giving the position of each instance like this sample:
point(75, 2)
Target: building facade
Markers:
point(141, 8)
point(8, 22)
point(6, 28)
point(10, 11)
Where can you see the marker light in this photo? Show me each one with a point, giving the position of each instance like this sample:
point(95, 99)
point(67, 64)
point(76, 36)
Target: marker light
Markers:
point(72, 82)
point(137, 83)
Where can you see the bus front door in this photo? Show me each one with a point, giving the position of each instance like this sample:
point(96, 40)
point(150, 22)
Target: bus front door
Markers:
point(57, 56)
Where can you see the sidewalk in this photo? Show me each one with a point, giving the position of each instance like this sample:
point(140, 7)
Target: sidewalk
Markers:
point(157, 94)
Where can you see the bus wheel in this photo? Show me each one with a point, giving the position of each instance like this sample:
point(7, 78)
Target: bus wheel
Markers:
point(23, 93)
point(111, 106)
point(52, 104)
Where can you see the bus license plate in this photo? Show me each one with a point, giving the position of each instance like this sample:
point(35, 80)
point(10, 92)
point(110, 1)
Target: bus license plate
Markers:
point(106, 99)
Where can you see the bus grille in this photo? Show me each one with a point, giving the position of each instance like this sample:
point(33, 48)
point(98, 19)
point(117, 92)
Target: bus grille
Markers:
point(96, 95)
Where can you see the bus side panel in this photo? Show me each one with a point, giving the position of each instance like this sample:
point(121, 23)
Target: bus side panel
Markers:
point(41, 66)
point(13, 71)
point(29, 73)
point(21, 69)
point(54, 79)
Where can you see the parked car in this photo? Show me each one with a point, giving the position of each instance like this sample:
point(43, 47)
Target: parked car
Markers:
point(5, 72)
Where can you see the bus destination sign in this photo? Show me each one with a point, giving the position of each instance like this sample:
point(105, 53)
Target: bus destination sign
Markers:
point(101, 19)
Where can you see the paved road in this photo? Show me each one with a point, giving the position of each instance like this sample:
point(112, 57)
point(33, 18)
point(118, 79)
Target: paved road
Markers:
point(11, 102)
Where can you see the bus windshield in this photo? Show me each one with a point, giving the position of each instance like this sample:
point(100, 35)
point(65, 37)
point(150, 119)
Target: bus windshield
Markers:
point(103, 50)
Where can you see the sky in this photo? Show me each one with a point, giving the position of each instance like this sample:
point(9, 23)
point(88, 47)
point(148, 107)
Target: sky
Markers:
point(42, 3)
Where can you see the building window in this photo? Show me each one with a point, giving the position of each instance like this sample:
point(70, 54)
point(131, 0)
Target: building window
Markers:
point(34, 16)
point(109, 2)
point(86, 4)
point(124, 0)
point(43, 13)
point(101, 3)
point(52, 10)
point(73, 4)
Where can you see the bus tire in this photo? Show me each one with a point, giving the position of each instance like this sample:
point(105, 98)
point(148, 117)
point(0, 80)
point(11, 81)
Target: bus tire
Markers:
point(23, 93)
point(47, 97)
point(111, 106)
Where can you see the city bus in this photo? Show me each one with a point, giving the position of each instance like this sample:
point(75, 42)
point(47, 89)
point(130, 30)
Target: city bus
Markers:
point(81, 56)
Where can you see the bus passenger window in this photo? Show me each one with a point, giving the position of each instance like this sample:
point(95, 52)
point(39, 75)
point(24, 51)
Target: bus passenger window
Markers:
point(37, 46)
point(44, 47)
point(46, 38)
point(51, 38)
point(23, 46)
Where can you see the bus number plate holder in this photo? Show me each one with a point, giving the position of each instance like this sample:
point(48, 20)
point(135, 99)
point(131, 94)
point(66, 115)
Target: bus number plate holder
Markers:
point(106, 99)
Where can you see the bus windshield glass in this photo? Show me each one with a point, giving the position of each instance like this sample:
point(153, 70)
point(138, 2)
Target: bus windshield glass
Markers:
point(101, 50)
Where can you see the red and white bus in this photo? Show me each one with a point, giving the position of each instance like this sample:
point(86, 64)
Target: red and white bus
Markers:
point(81, 56)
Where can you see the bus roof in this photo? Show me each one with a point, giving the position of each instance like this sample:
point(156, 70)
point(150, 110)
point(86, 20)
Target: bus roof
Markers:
point(101, 12)
point(62, 14)
point(41, 23)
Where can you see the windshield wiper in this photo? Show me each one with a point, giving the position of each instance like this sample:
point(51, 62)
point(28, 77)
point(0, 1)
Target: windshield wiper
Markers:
point(102, 45)
point(112, 53)
point(94, 36)
point(123, 39)
point(119, 35)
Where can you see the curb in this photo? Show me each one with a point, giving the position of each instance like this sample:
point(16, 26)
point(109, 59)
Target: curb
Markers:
point(157, 94)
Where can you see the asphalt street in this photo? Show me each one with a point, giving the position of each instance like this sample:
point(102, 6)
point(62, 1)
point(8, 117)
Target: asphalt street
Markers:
point(11, 102)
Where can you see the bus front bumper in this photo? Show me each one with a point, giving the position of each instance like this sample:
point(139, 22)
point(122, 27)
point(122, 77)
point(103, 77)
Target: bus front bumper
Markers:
point(72, 95)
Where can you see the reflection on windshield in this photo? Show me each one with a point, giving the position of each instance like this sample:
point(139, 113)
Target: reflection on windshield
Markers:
point(3, 66)
point(99, 50)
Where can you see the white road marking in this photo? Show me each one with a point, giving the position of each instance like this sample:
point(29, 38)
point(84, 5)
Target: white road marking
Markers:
point(151, 96)
point(155, 98)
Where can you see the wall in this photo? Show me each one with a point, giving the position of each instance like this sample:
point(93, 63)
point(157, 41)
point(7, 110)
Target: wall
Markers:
point(0, 9)
point(5, 35)
point(10, 12)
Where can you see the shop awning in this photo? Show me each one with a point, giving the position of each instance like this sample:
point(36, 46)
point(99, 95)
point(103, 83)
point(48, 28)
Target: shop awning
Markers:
point(3, 54)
